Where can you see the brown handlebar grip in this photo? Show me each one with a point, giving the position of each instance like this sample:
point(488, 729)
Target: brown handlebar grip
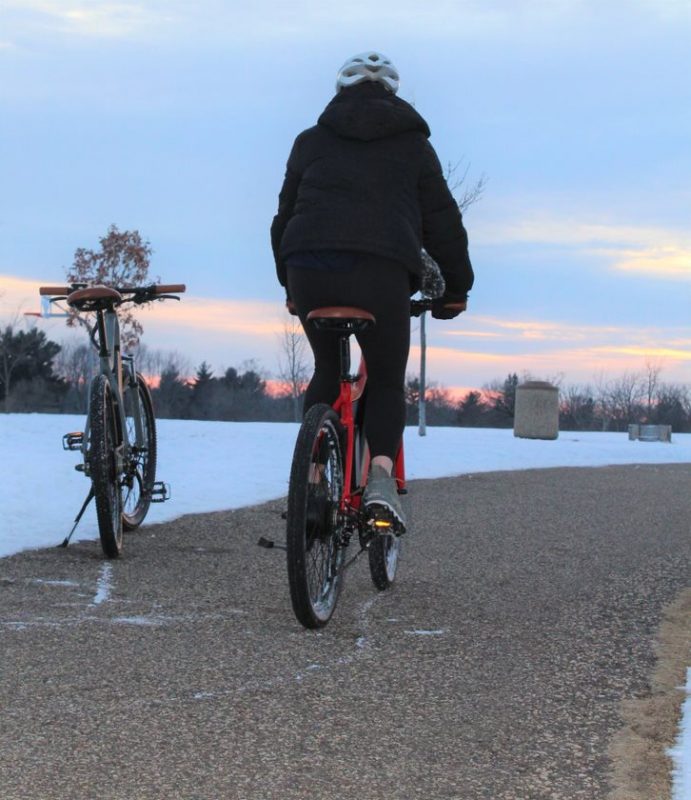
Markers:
point(169, 288)
point(54, 290)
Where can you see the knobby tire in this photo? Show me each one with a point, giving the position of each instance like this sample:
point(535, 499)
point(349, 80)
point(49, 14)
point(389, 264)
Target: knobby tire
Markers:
point(103, 441)
point(315, 554)
point(141, 471)
point(383, 552)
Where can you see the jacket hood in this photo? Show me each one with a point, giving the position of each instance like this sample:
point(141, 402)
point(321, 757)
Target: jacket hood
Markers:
point(367, 111)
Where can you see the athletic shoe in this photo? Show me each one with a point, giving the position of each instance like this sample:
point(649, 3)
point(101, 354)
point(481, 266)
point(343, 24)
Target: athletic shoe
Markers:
point(381, 495)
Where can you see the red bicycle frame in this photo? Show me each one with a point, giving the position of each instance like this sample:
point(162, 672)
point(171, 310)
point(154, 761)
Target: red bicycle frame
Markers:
point(352, 389)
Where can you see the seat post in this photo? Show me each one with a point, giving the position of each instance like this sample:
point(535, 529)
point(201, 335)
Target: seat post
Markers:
point(102, 338)
point(343, 321)
point(344, 347)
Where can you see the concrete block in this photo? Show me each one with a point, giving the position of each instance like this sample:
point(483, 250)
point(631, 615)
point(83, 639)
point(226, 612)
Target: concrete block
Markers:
point(536, 414)
point(650, 433)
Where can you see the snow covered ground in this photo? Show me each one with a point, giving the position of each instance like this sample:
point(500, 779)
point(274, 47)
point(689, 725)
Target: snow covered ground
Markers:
point(219, 465)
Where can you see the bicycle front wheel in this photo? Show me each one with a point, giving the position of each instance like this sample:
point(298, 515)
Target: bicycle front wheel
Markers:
point(315, 553)
point(383, 552)
point(140, 473)
point(102, 455)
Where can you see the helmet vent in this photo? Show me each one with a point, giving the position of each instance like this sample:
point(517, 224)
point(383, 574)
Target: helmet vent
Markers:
point(369, 66)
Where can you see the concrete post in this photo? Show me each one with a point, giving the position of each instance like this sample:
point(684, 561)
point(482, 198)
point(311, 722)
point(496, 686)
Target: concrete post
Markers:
point(650, 433)
point(536, 414)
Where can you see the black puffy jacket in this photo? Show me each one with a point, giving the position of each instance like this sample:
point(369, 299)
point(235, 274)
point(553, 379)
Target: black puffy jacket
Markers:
point(366, 179)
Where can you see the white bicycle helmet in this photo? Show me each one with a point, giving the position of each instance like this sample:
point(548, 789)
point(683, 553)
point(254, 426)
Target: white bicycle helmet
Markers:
point(369, 66)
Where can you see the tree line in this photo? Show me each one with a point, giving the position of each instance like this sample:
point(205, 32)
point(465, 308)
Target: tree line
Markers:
point(606, 405)
point(40, 375)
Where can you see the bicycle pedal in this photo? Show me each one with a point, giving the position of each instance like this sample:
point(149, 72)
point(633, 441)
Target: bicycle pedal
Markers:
point(160, 492)
point(269, 544)
point(382, 521)
point(80, 467)
point(73, 441)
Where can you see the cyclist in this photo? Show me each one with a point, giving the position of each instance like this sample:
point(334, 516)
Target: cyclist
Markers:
point(363, 193)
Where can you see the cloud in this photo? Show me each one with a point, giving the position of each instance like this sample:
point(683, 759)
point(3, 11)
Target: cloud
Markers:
point(547, 228)
point(651, 353)
point(655, 251)
point(94, 19)
point(572, 365)
point(545, 348)
point(469, 21)
point(252, 318)
point(226, 331)
point(672, 262)
point(537, 330)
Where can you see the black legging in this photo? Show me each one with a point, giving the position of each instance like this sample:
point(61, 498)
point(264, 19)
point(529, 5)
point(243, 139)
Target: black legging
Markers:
point(383, 288)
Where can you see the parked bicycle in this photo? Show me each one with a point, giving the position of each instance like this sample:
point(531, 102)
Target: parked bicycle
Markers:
point(328, 477)
point(118, 443)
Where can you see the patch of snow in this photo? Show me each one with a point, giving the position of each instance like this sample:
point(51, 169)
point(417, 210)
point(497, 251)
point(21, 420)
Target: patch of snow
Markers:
point(213, 466)
point(103, 584)
point(681, 752)
point(439, 632)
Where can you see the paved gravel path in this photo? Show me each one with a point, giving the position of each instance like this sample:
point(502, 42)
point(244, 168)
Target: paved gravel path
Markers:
point(525, 612)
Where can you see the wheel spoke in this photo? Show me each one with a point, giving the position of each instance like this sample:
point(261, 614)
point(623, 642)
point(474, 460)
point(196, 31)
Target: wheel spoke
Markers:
point(313, 532)
point(140, 464)
point(102, 454)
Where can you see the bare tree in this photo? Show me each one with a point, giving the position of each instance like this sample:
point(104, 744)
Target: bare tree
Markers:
point(456, 176)
point(76, 364)
point(673, 407)
point(652, 381)
point(576, 408)
point(123, 260)
point(293, 366)
point(432, 280)
point(152, 363)
point(619, 400)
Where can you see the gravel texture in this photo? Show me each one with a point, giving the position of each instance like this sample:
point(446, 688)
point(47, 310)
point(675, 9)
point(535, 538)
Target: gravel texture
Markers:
point(525, 613)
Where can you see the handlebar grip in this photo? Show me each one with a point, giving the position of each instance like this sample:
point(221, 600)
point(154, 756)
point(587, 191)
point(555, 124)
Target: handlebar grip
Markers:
point(54, 290)
point(169, 288)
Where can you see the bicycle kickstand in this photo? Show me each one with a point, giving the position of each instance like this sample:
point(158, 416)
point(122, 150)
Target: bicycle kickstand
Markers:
point(89, 498)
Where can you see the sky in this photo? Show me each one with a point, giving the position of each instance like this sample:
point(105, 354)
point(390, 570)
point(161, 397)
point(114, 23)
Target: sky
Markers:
point(176, 119)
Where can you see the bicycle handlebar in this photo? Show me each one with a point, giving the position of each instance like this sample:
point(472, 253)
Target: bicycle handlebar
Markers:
point(142, 293)
point(54, 291)
point(418, 307)
point(167, 288)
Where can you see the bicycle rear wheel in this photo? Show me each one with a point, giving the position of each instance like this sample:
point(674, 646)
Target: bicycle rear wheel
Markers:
point(314, 551)
point(140, 473)
point(102, 455)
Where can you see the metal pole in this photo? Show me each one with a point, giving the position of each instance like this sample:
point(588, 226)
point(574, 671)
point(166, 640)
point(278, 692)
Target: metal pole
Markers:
point(422, 419)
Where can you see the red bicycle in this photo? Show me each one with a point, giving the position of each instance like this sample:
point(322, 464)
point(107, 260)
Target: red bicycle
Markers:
point(327, 480)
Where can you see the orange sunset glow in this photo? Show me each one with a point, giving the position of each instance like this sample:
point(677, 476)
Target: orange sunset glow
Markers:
point(471, 352)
